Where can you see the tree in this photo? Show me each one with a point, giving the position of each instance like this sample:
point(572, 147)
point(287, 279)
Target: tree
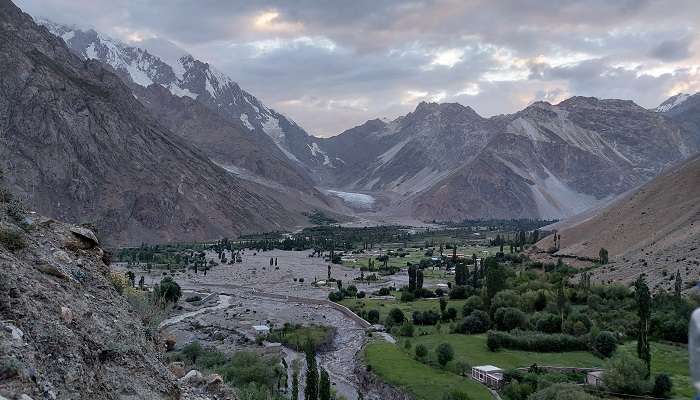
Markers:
point(605, 343)
point(396, 317)
point(412, 278)
point(473, 303)
point(168, 290)
point(643, 297)
point(678, 285)
point(421, 352)
point(419, 279)
point(324, 392)
point(509, 318)
point(311, 389)
point(562, 391)
point(443, 305)
point(626, 374)
point(295, 386)
point(662, 386)
point(477, 322)
point(373, 316)
point(561, 302)
point(445, 353)
point(603, 256)
point(495, 279)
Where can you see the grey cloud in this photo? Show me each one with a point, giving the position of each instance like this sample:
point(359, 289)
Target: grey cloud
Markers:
point(382, 47)
point(673, 49)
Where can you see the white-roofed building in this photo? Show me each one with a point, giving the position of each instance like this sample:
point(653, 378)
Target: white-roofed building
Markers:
point(489, 375)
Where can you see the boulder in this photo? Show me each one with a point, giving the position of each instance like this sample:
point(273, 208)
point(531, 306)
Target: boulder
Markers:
point(177, 368)
point(193, 377)
point(66, 315)
point(214, 381)
point(85, 235)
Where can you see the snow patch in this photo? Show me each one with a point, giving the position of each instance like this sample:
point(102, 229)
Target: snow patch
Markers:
point(181, 92)
point(672, 102)
point(68, 36)
point(244, 119)
point(315, 150)
point(90, 51)
point(359, 200)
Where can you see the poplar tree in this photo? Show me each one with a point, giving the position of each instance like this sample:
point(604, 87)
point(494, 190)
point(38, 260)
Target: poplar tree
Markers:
point(311, 389)
point(643, 298)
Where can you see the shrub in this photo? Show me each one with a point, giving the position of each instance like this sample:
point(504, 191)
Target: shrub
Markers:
point(373, 316)
point(509, 318)
point(459, 292)
point(407, 296)
point(12, 240)
point(335, 296)
point(546, 322)
point(168, 290)
point(395, 317)
point(421, 352)
point(528, 341)
point(428, 317)
point(456, 395)
point(625, 374)
point(605, 343)
point(385, 291)
point(562, 391)
point(361, 295)
point(445, 353)
point(472, 304)
point(451, 314)
point(407, 329)
point(662, 386)
point(477, 322)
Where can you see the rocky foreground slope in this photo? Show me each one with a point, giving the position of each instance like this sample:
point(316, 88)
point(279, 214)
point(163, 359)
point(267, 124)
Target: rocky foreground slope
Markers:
point(79, 147)
point(654, 230)
point(65, 333)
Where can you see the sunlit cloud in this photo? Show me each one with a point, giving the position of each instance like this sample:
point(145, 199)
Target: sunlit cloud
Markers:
point(271, 21)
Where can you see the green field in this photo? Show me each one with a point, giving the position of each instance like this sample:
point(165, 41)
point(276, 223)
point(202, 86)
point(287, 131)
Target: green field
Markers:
point(415, 255)
point(426, 383)
point(472, 350)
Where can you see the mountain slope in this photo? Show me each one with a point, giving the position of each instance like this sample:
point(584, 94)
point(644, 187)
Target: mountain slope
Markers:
point(653, 229)
point(78, 146)
point(187, 95)
point(445, 162)
point(185, 76)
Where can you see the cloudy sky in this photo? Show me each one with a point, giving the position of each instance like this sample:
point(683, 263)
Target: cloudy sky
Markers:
point(331, 65)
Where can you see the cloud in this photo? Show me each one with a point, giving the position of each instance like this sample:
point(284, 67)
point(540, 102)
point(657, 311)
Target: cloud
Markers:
point(672, 49)
point(333, 65)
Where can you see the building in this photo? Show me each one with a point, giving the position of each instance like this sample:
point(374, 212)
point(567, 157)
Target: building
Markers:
point(594, 378)
point(488, 375)
point(261, 329)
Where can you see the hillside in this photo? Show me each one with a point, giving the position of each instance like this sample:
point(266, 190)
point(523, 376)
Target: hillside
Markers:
point(654, 229)
point(445, 162)
point(65, 332)
point(78, 146)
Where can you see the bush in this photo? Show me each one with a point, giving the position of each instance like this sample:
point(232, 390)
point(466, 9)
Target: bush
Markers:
point(539, 342)
point(456, 395)
point(373, 316)
point(451, 314)
point(546, 322)
point(562, 391)
point(407, 296)
point(445, 353)
point(385, 291)
point(662, 386)
point(509, 318)
point(421, 352)
point(407, 329)
point(625, 374)
point(335, 296)
point(477, 322)
point(605, 344)
point(168, 290)
point(361, 295)
point(395, 317)
point(459, 292)
point(428, 317)
point(472, 304)
point(12, 240)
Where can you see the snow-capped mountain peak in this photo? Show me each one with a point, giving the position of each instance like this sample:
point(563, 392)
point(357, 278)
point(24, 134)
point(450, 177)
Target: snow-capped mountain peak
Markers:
point(672, 102)
point(185, 76)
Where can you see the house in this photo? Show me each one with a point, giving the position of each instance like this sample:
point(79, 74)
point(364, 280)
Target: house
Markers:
point(261, 329)
point(594, 378)
point(488, 375)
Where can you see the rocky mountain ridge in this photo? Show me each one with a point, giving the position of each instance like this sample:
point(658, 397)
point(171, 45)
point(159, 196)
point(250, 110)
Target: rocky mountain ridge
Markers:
point(78, 146)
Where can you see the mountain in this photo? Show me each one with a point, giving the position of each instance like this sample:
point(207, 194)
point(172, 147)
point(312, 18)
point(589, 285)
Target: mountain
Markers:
point(78, 146)
point(445, 162)
point(672, 102)
point(205, 107)
point(654, 230)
